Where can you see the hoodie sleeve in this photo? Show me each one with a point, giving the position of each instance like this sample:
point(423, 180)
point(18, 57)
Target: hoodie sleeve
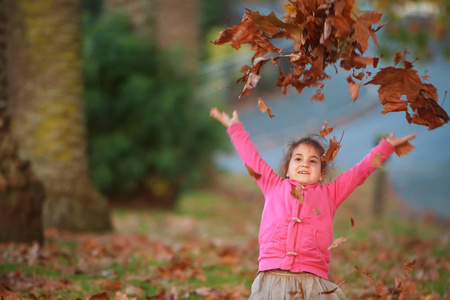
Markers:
point(251, 158)
point(346, 183)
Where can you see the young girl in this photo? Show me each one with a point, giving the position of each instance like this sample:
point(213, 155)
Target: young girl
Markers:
point(296, 224)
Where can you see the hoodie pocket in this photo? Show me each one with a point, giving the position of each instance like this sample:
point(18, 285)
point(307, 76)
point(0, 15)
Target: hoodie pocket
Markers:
point(276, 246)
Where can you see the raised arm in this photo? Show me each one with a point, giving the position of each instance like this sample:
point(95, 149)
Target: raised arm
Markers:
point(249, 155)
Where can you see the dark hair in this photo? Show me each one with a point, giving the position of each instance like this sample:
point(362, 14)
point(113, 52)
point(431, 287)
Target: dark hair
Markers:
point(315, 140)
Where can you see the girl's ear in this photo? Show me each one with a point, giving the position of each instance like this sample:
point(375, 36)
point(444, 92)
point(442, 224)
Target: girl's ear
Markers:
point(322, 175)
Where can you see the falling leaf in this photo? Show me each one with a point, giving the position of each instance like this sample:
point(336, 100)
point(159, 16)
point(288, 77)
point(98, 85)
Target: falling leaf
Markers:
point(352, 222)
point(223, 87)
point(377, 160)
point(325, 131)
point(370, 276)
point(403, 149)
point(328, 292)
point(353, 88)
point(263, 108)
point(253, 173)
point(331, 291)
point(316, 211)
point(338, 241)
point(318, 96)
point(399, 56)
point(296, 192)
point(332, 150)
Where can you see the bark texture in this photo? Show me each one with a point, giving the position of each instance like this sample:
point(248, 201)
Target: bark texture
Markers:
point(45, 85)
point(21, 194)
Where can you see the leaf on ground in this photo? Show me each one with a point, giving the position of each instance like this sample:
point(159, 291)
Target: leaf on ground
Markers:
point(100, 296)
point(325, 131)
point(408, 267)
point(252, 173)
point(382, 291)
point(338, 241)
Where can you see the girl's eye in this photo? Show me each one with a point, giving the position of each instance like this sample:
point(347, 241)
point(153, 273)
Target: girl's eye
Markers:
point(313, 161)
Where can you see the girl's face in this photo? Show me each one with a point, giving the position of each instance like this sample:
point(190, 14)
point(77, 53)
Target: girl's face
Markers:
point(305, 165)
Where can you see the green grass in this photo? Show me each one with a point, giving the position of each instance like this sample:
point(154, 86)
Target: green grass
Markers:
point(210, 240)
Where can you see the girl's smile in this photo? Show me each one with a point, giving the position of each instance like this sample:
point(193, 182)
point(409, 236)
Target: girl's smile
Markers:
point(305, 165)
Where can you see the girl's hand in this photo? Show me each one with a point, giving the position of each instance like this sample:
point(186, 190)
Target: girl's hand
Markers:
point(223, 117)
point(398, 141)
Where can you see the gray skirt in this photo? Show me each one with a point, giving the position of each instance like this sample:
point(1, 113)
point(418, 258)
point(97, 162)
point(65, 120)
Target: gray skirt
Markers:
point(280, 285)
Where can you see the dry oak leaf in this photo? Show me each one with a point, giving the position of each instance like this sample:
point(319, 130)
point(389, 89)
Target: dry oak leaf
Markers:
point(331, 291)
point(403, 149)
point(318, 95)
point(353, 88)
point(338, 241)
point(263, 108)
point(408, 268)
point(332, 150)
point(100, 296)
point(421, 97)
point(370, 276)
point(377, 160)
point(325, 131)
point(296, 192)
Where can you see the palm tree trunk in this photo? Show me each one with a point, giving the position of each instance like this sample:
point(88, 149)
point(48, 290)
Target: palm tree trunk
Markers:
point(21, 195)
point(47, 110)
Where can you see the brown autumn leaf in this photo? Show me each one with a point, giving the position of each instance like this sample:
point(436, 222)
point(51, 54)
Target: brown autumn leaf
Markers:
point(352, 222)
point(331, 291)
point(353, 88)
point(323, 34)
point(382, 291)
point(263, 108)
point(363, 28)
point(316, 211)
point(422, 98)
point(370, 276)
point(318, 95)
point(337, 242)
point(296, 192)
point(325, 131)
point(332, 150)
point(100, 296)
point(376, 160)
point(408, 267)
point(252, 173)
point(403, 149)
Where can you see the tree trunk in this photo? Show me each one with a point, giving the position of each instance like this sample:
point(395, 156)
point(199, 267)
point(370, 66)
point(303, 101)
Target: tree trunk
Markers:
point(21, 195)
point(178, 25)
point(45, 88)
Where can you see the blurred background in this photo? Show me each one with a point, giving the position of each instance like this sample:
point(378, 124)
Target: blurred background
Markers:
point(115, 112)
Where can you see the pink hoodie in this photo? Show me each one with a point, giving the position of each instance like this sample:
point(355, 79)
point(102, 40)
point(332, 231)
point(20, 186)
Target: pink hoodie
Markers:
point(295, 236)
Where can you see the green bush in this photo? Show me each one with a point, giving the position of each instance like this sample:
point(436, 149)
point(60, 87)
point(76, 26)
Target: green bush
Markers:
point(145, 126)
